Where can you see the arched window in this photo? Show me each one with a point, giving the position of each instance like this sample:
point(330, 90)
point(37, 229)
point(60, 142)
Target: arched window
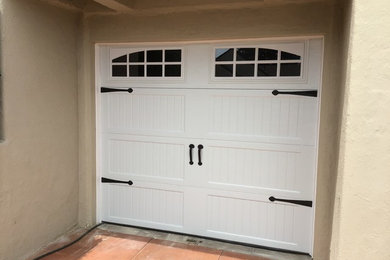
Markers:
point(160, 63)
point(256, 63)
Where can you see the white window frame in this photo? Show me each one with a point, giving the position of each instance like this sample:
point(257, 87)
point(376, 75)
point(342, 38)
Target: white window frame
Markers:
point(256, 79)
point(127, 51)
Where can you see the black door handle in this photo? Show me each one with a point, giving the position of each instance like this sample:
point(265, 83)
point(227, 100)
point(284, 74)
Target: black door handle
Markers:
point(307, 93)
point(307, 203)
point(106, 90)
point(200, 147)
point(191, 147)
point(107, 180)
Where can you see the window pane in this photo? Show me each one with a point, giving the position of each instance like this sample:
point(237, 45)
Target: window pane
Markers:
point(154, 56)
point(289, 56)
point(246, 54)
point(245, 70)
point(225, 70)
point(136, 71)
point(154, 70)
point(267, 54)
point(119, 70)
point(137, 56)
point(267, 70)
point(290, 69)
point(120, 59)
point(172, 70)
point(173, 55)
point(224, 54)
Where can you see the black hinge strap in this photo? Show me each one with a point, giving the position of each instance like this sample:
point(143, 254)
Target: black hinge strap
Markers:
point(307, 203)
point(307, 93)
point(107, 180)
point(106, 90)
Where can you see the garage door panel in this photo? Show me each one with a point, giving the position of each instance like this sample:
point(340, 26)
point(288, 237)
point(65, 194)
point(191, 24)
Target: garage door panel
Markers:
point(259, 114)
point(145, 158)
point(143, 204)
point(254, 221)
point(254, 168)
point(138, 112)
point(305, 179)
point(260, 168)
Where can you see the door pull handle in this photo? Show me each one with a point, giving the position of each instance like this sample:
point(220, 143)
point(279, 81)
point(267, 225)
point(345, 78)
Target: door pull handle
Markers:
point(191, 147)
point(200, 147)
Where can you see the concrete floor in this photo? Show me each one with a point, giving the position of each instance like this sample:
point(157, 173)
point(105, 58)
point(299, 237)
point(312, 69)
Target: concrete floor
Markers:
point(118, 242)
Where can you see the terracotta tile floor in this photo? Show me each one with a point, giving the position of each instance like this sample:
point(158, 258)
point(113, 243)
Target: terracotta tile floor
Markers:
point(106, 242)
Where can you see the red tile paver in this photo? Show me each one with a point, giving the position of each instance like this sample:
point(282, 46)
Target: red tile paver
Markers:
point(168, 250)
point(236, 256)
point(106, 245)
point(102, 245)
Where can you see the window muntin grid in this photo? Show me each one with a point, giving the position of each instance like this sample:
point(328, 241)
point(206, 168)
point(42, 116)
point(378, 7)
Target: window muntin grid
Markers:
point(256, 62)
point(148, 63)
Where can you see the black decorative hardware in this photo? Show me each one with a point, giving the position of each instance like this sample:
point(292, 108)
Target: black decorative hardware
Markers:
point(307, 203)
point(191, 147)
point(106, 90)
point(200, 147)
point(107, 180)
point(307, 93)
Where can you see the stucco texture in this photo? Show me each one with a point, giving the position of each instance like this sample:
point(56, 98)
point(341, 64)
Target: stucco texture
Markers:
point(316, 18)
point(38, 159)
point(47, 162)
point(362, 211)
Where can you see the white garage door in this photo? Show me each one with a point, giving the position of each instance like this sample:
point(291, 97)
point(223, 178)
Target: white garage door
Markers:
point(218, 140)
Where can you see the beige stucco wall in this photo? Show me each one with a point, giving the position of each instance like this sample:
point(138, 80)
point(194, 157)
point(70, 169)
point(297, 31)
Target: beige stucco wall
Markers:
point(38, 159)
point(317, 18)
point(47, 163)
point(362, 212)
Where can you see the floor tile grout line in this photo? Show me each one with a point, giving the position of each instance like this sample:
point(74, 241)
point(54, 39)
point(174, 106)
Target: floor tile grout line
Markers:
point(151, 238)
point(220, 254)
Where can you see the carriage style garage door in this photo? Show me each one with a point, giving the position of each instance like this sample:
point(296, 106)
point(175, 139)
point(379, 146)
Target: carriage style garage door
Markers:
point(218, 139)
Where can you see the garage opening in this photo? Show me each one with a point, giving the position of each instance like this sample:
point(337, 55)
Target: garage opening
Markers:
point(214, 139)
